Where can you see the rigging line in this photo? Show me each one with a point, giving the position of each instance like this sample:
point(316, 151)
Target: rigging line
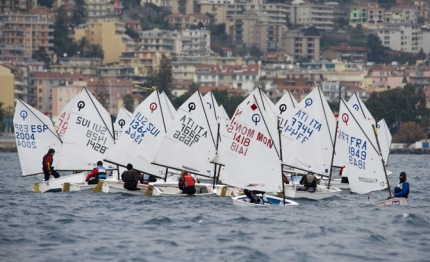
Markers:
point(113, 137)
point(350, 112)
point(118, 164)
point(361, 106)
point(299, 168)
point(161, 109)
point(261, 97)
point(325, 114)
point(267, 128)
point(180, 169)
point(291, 98)
point(206, 116)
point(56, 134)
point(218, 136)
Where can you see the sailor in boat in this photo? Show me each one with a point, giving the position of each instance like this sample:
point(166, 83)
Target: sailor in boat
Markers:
point(254, 198)
point(97, 173)
point(145, 179)
point(130, 178)
point(286, 181)
point(402, 189)
point(187, 183)
point(309, 182)
point(48, 169)
point(342, 173)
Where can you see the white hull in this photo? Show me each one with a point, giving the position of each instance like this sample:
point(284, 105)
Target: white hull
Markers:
point(322, 192)
point(172, 189)
point(227, 191)
point(110, 186)
point(85, 186)
point(56, 185)
point(401, 201)
point(244, 201)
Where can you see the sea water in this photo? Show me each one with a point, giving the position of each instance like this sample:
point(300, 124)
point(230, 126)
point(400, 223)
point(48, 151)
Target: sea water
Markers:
point(85, 226)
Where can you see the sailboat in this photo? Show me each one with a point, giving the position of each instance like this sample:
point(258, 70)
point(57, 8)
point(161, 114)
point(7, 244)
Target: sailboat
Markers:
point(307, 141)
point(250, 152)
point(384, 137)
point(140, 140)
point(358, 144)
point(35, 135)
point(188, 145)
point(122, 119)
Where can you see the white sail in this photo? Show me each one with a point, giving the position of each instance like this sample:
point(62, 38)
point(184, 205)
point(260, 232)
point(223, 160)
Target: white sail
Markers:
point(308, 137)
point(284, 105)
point(142, 137)
point(190, 140)
point(224, 115)
point(214, 109)
point(122, 120)
point(169, 106)
point(251, 155)
point(358, 146)
point(357, 104)
point(384, 138)
point(35, 135)
point(85, 128)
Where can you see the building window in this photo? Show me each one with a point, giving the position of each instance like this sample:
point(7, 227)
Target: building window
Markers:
point(221, 77)
point(247, 77)
point(40, 90)
point(199, 77)
point(40, 82)
point(40, 99)
point(233, 77)
point(40, 107)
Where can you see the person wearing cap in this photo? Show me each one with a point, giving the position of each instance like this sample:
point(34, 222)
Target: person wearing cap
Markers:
point(342, 173)
point(402, 189)
point(98, 172)
point(131, 178)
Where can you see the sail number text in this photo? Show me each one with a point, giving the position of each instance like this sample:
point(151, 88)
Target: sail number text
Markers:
point(24, 134)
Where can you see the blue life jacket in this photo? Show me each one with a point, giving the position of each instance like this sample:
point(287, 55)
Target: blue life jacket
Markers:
point(102, 172)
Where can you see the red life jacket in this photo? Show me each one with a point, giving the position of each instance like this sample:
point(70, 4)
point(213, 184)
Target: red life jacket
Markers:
point(47, 162)
point(188, 180)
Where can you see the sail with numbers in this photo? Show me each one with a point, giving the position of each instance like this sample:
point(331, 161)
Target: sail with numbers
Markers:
point(35, 135)
point(122, 119)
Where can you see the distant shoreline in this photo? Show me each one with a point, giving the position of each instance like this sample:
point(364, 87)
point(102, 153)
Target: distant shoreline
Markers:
point(10, 147)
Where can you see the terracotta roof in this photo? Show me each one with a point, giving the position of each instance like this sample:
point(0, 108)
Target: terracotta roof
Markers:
point(206, 89)
point(181, 83)
point(347, 48)
point(66, 7)
point(41, 10)
point(296, 89)
point(201, 16)
point(227, 69)
point(131, 22)
point(176, 15)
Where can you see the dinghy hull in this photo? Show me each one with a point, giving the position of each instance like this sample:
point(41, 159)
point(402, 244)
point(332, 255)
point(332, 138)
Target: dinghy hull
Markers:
point(118, 187)
point(401, 201)
point(244, 201)
point(172, 189)
point(321, 192)
point(56, 185)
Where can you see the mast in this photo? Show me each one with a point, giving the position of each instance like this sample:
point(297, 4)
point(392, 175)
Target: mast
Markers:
point(382, 161)
point(332, 154)
point(280, 157)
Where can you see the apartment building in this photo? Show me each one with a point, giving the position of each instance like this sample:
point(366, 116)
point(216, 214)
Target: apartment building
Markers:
point(44, 13)
point(109, 35)
point(217, 10)
point(295, 43)
point(402, 37)
point(276, 11)
point(15, 5)
point(133, 24)
point(83, 66)
point(142, 61)
point(237, 76)
point(196, 42)
point(99, 10)
point(160, 3)
point(12, 85)
point(368, 15)
point(254, 29)
point(181, 21)
point(345, 52)
point(307, 15)
point(26, 33)
point(183, 67)
point(423, 8)
point(118, 7)
point(185, 7)
point(161, 40)
point(401, 14)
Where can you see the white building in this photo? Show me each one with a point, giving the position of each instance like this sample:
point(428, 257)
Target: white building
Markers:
point(402, 37)
point(306, 15)
point(161, 40)
point(196, 42)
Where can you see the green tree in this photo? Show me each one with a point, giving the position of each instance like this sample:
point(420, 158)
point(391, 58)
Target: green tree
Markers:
point(63, 44)
point(399, 105)
point(102, 94)
point(421, 55)
point(229, 101)
point(161, 77)
point(46, 3)
point(193, 88)
point(410, 132)
point(42, 55)
point(312, 31)
point(128, 102)
point(83, 46)
point(79, 15)
point(378, 52)
point(131, 32)
point(358, 37)
point(95, 51)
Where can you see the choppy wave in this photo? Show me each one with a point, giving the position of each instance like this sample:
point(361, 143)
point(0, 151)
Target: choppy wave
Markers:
point(92, 227)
